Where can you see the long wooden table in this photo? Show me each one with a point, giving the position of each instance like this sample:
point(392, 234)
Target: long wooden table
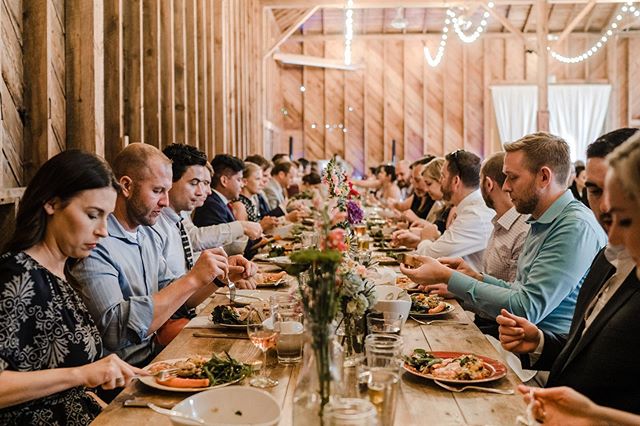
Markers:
point(420, 401)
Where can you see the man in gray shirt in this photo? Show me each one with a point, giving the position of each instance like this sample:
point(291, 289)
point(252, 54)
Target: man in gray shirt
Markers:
point(125, 282)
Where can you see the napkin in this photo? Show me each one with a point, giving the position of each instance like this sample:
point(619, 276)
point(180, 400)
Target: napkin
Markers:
point(201, 322)
point(512, 360)
point(383, 275)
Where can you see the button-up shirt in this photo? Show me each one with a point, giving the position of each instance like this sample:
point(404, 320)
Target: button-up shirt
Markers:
point(207, 237)
point(505, 244)
point(117, 282)
point(172, 250)
point(555, 258)
point(467, 235)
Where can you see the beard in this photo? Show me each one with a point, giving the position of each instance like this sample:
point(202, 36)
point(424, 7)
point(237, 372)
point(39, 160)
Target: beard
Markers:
point(445, 188)
point(487, 200)
point(527, 203)
point(140, 213)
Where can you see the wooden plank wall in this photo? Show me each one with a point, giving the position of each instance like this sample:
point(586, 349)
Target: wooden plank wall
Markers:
point(97, 75)
point(398, 96)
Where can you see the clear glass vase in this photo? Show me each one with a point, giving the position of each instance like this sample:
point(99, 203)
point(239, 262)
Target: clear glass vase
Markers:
point(320, 378)
point(351, 334)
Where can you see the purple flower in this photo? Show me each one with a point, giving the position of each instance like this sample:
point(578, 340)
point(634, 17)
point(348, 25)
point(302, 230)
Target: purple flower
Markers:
point(354, 212)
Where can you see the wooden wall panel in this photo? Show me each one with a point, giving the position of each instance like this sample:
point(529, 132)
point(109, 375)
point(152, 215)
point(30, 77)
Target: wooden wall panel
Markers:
point(313, 123)
point(453, 99)
point(374, 103)
point(355, 152)
point(434, 107)
point(413, 101)
point(514, 60)
point(623, 79)
point(393, 98)
point(474, 100)
point(633, 68)
point(151, 72)
point(291, 115)
point(333, 103)
point(179, 70)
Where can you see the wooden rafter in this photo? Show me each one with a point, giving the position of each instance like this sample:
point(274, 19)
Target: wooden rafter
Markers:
point(574, 23)
point(304, 15)
point(384, 4)
point(506, 23)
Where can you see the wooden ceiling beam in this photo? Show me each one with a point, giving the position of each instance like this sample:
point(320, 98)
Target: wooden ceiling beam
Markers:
point(393, 4)
point(505, 23)
point(285, 35)
point(574, 23)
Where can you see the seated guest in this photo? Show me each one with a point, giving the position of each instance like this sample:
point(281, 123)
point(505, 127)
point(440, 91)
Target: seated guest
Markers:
point(442, 212)
point(311, 181)
point(280, 158)
point(417, 205)
point(388, 191)
point(305, 166)
point(50, 348)
point(564, 406)
point(226, 235)
point(189, 176)
point(294, 187)
point(403, 179)
point(557, 252)
point(282, 175)
point(125, 281)
point(468, 234)
point(577, 186)
point(594, 358)
point(247, 206)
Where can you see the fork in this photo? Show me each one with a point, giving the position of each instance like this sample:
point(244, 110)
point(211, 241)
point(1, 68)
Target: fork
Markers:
point(161, 374)
point(478, 388)
point(438, 321)
point(232, 290)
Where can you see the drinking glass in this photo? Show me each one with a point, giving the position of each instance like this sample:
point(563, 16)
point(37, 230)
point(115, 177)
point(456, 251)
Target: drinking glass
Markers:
point(291, 329)
point(264, 335)
point(384, 323)
point(350, 412)
point(380, 385)
point(284, 302)
point(383, 350)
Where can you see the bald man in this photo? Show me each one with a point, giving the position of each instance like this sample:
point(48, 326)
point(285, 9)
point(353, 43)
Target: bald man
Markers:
point(125, 282)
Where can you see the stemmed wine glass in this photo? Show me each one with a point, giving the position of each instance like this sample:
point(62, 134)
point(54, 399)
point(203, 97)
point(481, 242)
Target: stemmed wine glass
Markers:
point(264, 335)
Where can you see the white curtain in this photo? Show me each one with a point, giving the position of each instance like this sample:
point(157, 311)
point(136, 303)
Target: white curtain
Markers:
point(515, 108)
point(577, 113)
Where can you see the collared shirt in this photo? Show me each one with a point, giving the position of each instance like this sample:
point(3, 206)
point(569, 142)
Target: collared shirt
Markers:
point(467, 235)
point(274, 193)
point(555, 257)
point(505, 244)
point(117, 282)
point(172, 250)
point(224, 199)
point(211, 236)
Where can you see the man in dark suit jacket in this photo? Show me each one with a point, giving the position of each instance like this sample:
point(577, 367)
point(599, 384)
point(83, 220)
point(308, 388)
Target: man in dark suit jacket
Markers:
point(226, 183)
point(597, 357)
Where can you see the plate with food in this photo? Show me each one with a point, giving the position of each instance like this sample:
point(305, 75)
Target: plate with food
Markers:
point(197, 373)
point(386, 260)
point(270, 279)
point(228, 316)
point(454, 367)
point(429, 305)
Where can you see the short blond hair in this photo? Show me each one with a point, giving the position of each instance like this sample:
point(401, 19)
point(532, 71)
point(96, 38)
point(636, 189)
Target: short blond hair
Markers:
point(433, 169)
point(625, 163)
point(544, 149)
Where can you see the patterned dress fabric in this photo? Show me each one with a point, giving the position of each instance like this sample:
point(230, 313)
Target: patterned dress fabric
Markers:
point(44, 325)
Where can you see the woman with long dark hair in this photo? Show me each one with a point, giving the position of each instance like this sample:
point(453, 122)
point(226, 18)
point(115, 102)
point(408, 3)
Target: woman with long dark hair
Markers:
point(50, 348)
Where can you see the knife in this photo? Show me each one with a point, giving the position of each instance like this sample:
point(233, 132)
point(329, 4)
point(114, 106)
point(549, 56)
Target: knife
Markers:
point(133, 402)
point(220, 336)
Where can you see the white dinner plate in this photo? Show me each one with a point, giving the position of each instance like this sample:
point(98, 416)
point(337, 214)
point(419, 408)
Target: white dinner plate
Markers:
point(151, 380)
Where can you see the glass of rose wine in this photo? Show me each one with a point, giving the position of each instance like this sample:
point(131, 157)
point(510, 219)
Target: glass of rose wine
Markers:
point(263, 333)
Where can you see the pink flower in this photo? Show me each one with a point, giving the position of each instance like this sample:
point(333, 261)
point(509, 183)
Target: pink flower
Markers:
point(361, 270)
point(335, 239)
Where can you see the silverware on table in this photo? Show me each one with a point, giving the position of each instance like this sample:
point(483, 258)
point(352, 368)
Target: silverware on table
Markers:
point(232, 290)
point(142, 403)
point(161, 374)
point(477, 388)
point(453, 322)
point(173, 413)
point(221, 336)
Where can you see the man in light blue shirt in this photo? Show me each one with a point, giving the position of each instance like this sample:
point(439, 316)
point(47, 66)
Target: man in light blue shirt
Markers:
point(564, 239)
point(125, 282)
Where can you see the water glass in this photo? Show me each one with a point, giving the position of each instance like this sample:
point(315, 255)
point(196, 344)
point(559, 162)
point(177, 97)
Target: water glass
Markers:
point(291, 337)
point(284, 302)
point(308, 239)
point(381, 386)
point(384, 350)
point(350, 412)
point(384, 323)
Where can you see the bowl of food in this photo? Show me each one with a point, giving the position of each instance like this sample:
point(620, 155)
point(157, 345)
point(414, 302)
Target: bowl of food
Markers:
point(234, 405)
point(393, 299)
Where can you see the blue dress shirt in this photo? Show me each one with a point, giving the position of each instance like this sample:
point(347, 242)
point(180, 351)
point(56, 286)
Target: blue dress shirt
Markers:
point(117, 282)
point(555, 258)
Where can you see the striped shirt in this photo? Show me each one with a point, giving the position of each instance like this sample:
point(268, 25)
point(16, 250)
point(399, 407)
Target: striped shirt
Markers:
point(505, 244)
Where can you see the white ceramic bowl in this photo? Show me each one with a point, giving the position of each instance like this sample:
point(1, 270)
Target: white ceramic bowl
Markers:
point(233, 405)
point(388, 301)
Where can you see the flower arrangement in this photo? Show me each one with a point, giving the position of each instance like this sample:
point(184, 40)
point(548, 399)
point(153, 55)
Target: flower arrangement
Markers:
point(341, 189)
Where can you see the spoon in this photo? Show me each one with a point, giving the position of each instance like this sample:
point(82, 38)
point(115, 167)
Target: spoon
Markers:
point(173, 413)
point(477, 388)
point(438, 321)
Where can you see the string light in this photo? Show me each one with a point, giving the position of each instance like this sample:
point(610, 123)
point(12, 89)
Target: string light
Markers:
point(348, 31)
point(627, 8)
point(458, 23)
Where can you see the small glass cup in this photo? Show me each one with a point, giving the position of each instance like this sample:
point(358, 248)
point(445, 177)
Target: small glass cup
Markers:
point(360, 230)
point(291, 336)
point(284, 302)
point(384, 323)
point(383, 350)
point(350, 412)
point(380, 385)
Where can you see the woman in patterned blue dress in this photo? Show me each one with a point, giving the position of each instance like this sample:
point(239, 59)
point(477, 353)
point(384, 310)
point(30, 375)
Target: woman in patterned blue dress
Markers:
point(50, 349)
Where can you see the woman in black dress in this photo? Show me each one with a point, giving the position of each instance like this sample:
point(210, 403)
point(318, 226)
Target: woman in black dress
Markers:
point(50, 348)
